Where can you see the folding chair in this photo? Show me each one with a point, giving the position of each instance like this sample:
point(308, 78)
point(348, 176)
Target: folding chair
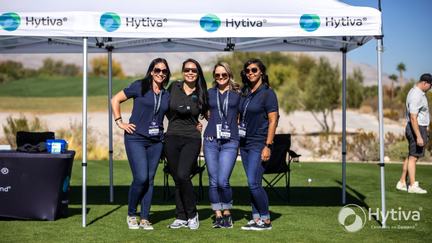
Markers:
point(279, 163)
point(197, 170)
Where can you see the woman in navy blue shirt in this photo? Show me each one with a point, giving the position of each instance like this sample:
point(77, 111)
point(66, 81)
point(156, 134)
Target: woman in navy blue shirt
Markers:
point(143, 136)
point(183, 139)
point(257, 127)
point(221, 142)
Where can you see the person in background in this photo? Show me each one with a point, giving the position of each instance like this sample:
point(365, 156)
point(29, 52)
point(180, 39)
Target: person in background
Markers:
point(143, 136)
point(183, 139)
point(221, 142)
point(416, 132)
point(257, 127)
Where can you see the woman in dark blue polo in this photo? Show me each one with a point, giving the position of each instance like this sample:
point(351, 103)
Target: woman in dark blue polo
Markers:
point(257, 127)
point(183, 139)
point(221, 142)
point(143, 136)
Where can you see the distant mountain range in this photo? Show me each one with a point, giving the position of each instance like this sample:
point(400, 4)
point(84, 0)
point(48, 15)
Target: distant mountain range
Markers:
point(136, 64)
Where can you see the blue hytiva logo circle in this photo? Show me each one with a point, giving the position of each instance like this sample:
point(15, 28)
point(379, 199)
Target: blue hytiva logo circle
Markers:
point(210, 23)
point(9, 21)
point(110, 21)
point(310, 22)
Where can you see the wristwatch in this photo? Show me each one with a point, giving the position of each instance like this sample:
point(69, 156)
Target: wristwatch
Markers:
point(269, 145)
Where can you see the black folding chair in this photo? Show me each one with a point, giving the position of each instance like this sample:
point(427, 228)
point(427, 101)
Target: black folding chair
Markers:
point(197, 170)
point(279, 164)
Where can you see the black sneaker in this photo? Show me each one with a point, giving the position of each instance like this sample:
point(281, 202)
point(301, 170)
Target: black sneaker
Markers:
point(248, 225)
point(218, 222)
point(227, 221)
point(261, 225)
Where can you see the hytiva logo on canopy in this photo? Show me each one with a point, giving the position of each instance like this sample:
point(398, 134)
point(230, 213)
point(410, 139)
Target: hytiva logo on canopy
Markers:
point(211, 23)
point(112, 21)
point(10, 21)
point(310, 22)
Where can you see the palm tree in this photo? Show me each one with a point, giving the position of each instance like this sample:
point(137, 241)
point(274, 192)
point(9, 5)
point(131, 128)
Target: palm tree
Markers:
point(394, 79)
point(401, 68)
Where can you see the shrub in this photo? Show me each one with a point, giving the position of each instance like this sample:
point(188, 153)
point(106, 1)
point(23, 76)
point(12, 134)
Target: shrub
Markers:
point(73, 135)
point(13, 125)
point(52, 67)
point(100, 68)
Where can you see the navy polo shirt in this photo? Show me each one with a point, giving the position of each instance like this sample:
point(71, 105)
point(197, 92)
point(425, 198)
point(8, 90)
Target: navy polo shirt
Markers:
point(143, 109)
point(231, 114)
point(183, 112)
point(261, 102)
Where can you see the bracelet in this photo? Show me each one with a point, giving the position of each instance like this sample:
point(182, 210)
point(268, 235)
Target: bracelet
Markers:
point(117, 119)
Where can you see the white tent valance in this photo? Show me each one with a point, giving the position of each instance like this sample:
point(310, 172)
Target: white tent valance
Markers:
point(190, 25)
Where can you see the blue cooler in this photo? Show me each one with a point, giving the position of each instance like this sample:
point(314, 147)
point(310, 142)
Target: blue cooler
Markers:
point(56, 146)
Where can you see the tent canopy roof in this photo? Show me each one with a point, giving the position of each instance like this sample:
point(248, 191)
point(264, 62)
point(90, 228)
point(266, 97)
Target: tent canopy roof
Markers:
point(45, 26)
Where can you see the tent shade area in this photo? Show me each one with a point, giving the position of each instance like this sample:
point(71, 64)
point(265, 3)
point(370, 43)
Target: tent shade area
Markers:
point(131, 26)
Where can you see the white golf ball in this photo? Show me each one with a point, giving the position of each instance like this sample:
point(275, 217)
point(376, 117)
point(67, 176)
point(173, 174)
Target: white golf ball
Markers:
point(309, 180)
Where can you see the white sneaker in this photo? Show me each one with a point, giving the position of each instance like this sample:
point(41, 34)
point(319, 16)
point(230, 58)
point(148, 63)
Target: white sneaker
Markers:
point(178, 223)
point(145, 225)
point(401, 186)
point(132, 222)
point(416, 189)
point(193, 223)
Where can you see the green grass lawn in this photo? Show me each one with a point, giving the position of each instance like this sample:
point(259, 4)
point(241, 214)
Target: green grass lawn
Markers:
point(311, 215)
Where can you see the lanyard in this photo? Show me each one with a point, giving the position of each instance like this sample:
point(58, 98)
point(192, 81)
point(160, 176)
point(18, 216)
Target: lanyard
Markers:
point(157, 103)
point(225, 105)
point(248, 100)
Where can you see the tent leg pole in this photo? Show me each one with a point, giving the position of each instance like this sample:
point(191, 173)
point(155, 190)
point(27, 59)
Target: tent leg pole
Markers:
point(344, 127)
point(110, 130)
point(84, 135)
point(381, 128)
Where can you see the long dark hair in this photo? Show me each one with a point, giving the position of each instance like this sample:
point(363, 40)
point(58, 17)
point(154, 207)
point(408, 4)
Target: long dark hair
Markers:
point(200, 87)
point(146, 82)
point(246, 83)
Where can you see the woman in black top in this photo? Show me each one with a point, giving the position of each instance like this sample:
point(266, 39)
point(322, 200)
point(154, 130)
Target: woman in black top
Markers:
point(183, 139)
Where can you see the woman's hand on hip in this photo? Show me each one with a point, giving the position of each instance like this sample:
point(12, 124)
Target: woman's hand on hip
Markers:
point(128, 127)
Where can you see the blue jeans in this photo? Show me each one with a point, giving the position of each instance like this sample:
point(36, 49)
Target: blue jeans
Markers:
point(143, 155)
point(220, 156)
point(251, 158)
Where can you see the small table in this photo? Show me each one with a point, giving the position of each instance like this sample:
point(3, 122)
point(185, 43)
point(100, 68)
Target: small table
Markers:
point(34, 185)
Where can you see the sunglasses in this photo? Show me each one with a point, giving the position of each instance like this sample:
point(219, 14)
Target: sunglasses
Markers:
point(220, 75)
point(158, 70)
point(193, 70)
point(253, 70)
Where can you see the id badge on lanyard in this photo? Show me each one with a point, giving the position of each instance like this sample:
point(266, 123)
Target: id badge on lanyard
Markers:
point(222, 129)
point(154, 128)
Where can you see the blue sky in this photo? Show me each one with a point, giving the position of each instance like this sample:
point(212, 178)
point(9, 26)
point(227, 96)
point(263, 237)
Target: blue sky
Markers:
point(407, 36)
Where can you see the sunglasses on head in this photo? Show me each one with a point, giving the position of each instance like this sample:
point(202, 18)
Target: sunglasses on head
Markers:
point(220, 75)
point(158, 70)
point(193, 70)
point(253, 70)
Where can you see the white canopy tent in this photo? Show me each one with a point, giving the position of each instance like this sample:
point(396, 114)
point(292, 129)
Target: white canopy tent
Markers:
point(48, 26)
